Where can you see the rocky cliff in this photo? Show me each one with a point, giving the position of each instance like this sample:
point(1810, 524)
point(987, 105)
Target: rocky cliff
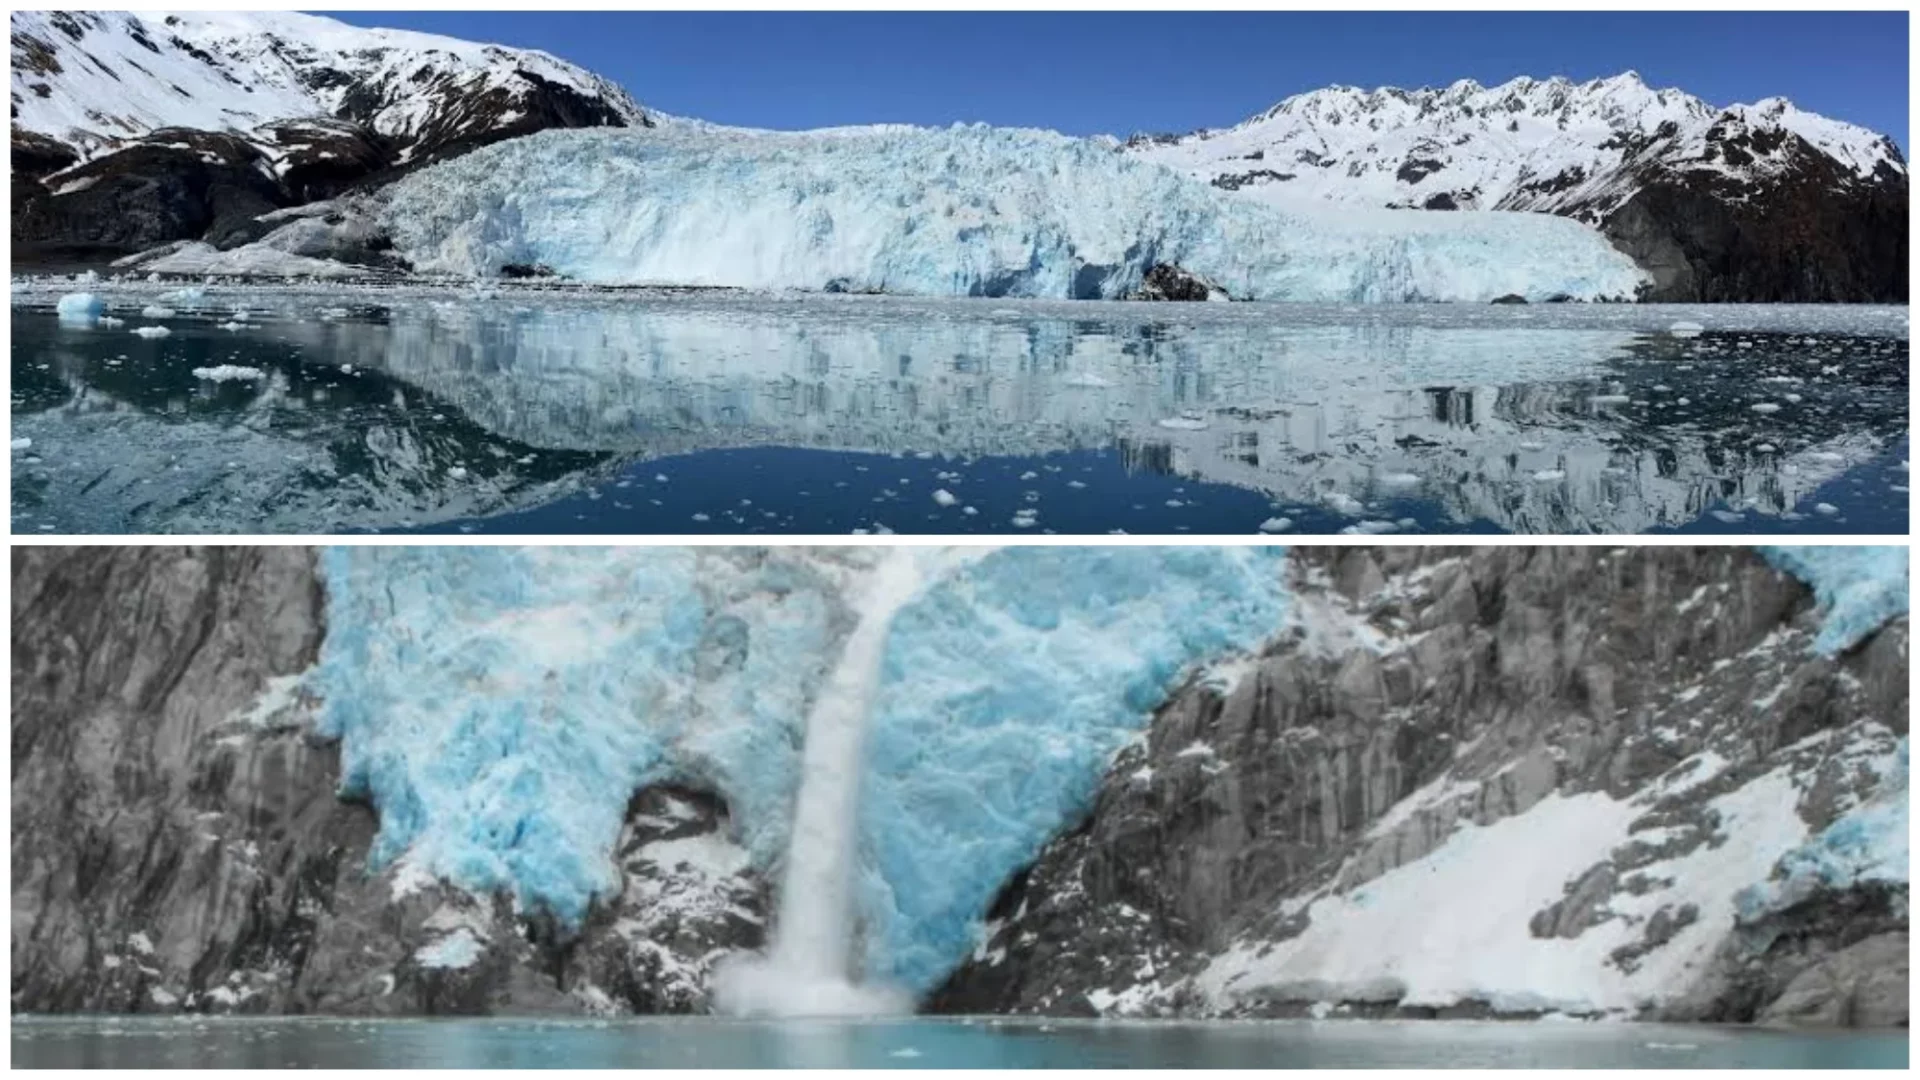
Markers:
point(1470, 781)
point(1490, 781)
point(178, 845)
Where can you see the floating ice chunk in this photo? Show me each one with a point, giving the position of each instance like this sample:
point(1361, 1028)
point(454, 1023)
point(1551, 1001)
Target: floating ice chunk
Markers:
point(1728, 516)
point(110, 321)
point(1371, 528)
point(22, 443)
point(1765, 407)
point(232, 326)
point(1276, 524)
point(456, 472)
point(228, 373)
point(1183, 423)
point(151, 331)
point(1343, 503)
point(189, 295)
point(1684, 329)
point(944, 497)
point(155, 311)
point(80, 307)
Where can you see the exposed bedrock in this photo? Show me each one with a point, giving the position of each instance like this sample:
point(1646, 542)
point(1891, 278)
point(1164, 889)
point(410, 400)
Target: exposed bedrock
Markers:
point(1468, 686)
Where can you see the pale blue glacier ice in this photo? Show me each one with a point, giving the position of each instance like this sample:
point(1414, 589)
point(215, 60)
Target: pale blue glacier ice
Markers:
point(1859, 589)
point(1005, 692)
point(1868, 843)
point(80, 307)
point(961, 211)
point(498, 706)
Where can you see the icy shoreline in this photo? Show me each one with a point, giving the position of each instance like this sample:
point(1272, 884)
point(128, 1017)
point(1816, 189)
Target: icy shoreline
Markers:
point(1864, 320)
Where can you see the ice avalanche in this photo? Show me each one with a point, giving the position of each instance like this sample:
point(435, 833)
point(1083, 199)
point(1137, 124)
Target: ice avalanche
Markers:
point(499, 706)
point(960, 211)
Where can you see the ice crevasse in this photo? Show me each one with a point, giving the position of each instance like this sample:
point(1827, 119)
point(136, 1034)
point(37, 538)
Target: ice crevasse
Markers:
point(960, 211)
point(498, 706)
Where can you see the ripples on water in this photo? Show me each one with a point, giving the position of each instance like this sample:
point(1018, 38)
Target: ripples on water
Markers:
point(416, 409)
point(693, 1042)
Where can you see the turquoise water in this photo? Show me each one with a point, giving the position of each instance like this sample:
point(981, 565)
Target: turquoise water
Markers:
point(274, 1042)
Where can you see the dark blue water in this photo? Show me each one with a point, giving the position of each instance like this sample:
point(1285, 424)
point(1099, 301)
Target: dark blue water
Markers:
point(270, 1043)
point(437, 412)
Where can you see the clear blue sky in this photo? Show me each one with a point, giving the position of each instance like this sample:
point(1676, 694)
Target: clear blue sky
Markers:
point(1120, 72)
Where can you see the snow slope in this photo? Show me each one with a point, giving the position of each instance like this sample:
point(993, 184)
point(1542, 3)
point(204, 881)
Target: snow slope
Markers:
point(500, 705)
point(957, 211)
point(91, 79)
point(1526, 144)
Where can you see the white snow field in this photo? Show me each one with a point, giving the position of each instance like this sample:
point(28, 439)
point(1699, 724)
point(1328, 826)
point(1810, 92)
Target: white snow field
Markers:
point(960, 211)
point(1525, 144)
point(238, 70)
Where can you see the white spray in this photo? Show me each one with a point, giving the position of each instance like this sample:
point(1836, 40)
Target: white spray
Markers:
point(808, 970)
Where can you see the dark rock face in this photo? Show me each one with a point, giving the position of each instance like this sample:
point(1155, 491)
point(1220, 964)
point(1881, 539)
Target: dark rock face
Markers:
point(1811, 235)
point(174, 185)
point(1511, 687)
point(1164, 281)
point(178, 845)
point(159, 843)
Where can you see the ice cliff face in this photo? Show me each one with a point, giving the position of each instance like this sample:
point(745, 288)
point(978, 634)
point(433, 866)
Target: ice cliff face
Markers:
point(1467, 786)
point(963, 211)
point(566, 774)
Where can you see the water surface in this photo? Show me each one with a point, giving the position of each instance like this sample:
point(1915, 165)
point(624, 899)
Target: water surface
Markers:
point(699, 1042)
point(531, 412)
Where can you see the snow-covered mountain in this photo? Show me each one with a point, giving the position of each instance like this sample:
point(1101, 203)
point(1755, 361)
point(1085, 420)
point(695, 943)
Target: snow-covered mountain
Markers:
point(95, 80)
point(1588, 150)
point(131, 130)
point(1579, 149)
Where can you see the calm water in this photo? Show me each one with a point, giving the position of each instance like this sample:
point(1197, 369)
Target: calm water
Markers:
point(259, 1043)
point(415, 409)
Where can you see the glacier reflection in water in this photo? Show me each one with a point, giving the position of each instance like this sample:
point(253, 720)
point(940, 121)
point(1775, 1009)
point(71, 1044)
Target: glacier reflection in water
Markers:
point(973, 1043)
point(417, 409)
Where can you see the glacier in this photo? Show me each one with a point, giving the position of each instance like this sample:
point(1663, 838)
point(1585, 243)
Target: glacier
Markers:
point(1858, 589)
point(499, 706)
point(969, 210)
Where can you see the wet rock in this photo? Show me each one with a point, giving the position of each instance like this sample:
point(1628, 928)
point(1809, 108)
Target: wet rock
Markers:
point(1863, 985)
point(1167, 282)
